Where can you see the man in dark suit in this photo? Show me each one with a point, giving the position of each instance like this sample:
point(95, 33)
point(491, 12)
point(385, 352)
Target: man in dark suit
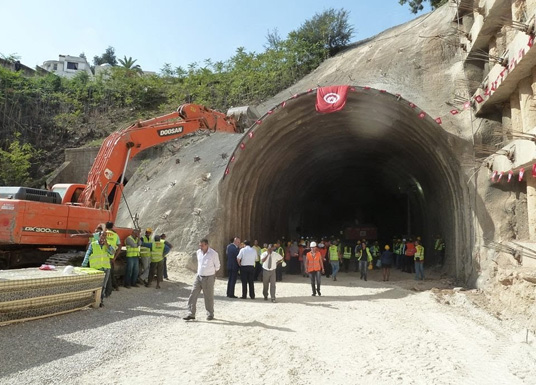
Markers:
point(232, 266)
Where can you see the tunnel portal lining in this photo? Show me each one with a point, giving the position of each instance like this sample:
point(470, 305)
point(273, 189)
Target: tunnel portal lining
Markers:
point(379, 145)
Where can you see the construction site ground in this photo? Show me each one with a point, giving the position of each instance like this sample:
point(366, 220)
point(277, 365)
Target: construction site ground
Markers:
point(374, 332)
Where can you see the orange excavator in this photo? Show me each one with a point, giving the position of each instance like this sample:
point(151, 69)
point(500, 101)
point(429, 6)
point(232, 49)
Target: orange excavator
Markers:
point(35, 223)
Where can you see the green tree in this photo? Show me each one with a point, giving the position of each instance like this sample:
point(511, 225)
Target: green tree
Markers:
point(15, 164)
point(107, 57)
point(417, 5)
point(128, 63)
point(273, 40)
point(329, 29)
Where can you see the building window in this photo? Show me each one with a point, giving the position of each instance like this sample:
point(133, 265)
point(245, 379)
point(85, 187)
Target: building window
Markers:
point(55, 67)
point(72, 66)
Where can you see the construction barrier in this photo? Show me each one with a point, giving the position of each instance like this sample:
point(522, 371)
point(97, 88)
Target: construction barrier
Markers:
point(27, 294)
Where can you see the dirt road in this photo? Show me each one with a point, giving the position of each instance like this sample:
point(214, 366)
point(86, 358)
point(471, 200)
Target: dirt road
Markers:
point(357, 333)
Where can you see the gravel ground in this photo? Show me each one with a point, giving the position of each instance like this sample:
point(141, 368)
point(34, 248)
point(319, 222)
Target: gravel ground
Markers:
point(396, 332)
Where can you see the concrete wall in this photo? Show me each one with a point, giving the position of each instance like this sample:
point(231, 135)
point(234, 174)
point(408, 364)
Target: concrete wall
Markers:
point(78, 162)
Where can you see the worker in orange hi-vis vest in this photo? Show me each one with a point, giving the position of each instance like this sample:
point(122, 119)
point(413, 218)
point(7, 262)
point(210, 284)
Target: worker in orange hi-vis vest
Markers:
point(314, 267)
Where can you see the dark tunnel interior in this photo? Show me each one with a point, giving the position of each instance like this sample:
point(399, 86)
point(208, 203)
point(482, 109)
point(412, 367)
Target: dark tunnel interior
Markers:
point(374, 163)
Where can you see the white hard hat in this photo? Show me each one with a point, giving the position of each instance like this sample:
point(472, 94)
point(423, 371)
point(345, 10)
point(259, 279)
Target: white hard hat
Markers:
point(313, 244)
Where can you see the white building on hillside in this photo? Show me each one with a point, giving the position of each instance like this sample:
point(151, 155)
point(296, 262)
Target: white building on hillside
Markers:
point(68, 66)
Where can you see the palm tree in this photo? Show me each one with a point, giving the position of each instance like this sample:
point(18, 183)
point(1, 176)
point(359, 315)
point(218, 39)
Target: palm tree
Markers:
point(128, 63)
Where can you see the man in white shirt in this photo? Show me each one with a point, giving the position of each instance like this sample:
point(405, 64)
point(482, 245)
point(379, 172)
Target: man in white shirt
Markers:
point(246, 260)
point(208, 263)
point(269, 260)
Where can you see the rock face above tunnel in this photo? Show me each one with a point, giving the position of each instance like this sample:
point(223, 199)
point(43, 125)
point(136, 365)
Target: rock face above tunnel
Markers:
point(176, 193)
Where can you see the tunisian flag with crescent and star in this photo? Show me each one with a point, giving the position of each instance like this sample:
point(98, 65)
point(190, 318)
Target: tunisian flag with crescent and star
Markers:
point(331, 99)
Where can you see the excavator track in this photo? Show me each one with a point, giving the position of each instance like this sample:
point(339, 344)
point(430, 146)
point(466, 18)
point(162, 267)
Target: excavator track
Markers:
point(74, 258)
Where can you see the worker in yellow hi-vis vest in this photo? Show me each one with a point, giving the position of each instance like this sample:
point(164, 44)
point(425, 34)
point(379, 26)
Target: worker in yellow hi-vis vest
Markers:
point(157, 262)
point(419, 261)
point(98, 257)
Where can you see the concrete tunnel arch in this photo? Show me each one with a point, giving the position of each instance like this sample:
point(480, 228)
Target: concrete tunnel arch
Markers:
point(381, 160)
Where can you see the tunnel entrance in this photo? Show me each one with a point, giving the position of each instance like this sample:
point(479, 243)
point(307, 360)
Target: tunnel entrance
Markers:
point(380, 161)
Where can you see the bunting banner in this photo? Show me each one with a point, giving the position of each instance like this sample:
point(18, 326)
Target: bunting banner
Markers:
point(331, 99)
point(493, 175)
point(510, 174)
point(521, 173)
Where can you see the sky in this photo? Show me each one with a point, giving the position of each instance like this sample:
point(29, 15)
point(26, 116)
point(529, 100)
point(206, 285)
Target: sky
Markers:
point(175, 32)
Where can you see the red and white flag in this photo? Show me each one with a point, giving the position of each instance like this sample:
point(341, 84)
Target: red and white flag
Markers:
point(521, 173)
point(534, 170)
point(510, 173)
point(331, 99)
point(500, 176)
point(493, 176)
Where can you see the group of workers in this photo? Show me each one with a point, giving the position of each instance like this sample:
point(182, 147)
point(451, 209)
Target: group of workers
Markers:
point(245, 260)
point(251, 262)
point(145, 257)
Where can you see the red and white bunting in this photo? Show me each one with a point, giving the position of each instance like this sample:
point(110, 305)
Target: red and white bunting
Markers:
point(493, 176)
point(510, 174)
point(521, 173)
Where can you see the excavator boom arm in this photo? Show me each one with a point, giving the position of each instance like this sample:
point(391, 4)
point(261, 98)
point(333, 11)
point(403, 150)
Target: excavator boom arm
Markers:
point(105, 179)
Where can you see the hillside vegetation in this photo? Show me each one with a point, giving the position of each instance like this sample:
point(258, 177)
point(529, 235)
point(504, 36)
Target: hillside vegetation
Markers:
point(42, 115)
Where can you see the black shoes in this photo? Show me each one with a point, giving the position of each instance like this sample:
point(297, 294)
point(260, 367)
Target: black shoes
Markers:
point(210, 318)
point(189, 318)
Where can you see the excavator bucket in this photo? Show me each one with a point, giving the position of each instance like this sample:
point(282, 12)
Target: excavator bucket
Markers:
point(245, 116)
